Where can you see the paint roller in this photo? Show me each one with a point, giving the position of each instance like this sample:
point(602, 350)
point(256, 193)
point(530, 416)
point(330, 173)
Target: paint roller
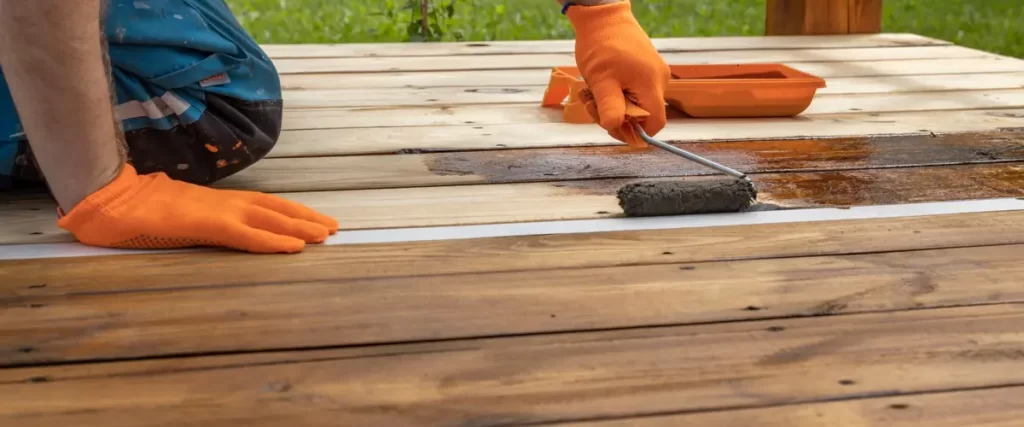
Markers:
point(734, 193)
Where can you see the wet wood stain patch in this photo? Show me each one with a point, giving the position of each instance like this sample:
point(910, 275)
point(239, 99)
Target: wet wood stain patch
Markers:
point(578, 163)
point(860, 187)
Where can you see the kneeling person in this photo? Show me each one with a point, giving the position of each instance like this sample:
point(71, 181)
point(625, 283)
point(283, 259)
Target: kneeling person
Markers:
point(128, 131)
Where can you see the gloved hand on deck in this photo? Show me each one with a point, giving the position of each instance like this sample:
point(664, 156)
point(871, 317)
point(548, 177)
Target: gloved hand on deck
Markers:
point(615, 55)
point(155, 212)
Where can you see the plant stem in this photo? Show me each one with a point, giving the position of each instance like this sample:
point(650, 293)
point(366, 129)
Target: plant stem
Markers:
point(424, 21)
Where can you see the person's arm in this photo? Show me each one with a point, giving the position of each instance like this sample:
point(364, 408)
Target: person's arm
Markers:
point(53, 58)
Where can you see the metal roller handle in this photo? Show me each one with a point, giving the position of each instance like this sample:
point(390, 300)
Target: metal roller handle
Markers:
point(683, 153)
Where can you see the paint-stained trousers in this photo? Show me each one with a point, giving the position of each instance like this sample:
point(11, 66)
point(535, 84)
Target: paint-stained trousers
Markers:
point(196, 96)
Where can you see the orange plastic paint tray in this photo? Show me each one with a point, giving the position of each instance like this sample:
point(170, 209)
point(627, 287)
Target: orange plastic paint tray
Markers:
point(708, 91)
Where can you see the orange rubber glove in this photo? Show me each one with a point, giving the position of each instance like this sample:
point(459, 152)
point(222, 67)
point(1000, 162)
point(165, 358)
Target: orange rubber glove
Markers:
point(618, 61)
point(155, 212)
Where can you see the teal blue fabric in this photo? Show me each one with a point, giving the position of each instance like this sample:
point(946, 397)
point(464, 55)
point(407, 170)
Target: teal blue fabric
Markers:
point(160, 46)
point(9, 129)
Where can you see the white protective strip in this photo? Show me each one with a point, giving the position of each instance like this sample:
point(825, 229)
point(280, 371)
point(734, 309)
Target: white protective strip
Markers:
point(61, 250)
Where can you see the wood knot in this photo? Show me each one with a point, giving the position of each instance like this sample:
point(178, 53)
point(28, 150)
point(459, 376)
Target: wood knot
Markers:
point(279, 386)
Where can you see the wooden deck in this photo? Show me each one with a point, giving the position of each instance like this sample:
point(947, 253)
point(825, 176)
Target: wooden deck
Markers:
point(482, 277)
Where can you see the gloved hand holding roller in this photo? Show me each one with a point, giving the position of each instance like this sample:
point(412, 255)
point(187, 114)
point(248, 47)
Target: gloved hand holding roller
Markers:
point(626, 79)
point(621, 67)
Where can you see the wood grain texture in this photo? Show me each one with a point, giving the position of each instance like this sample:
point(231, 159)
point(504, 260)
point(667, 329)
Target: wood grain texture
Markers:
point(544, 61)
point(988, 407)
point(495, 79)
point(865, 16)
point(903, 321)
point(585, 163)
point(412, 139)
point(520, 114)
point(560, 377)
point(823, 17)
point(591, 250)
point(666, 45)
point(33, 222)
point(298, 99)
point(301, 314)
point(807, 17)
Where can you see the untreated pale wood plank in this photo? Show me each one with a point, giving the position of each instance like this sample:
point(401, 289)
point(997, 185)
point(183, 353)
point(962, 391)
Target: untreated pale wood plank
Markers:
point(521, 114)
point(506, 78)
point(544, 61)
point(561, 377)
point(589, 250)
point(297, 99)
point(300, 314)
point(581, 163)
point(34, 222)
point(667, 45)
point(987, 407)
point(413, 139)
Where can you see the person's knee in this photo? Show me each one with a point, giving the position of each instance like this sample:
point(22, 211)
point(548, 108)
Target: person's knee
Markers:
point(223, 90)
point(231, 136)
point(256, 126)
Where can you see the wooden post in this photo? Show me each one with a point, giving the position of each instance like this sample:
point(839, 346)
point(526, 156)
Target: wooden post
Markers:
point(795, 17)
point(865, 16)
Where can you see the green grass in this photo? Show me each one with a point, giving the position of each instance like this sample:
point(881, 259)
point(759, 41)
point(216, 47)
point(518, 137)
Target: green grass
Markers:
point(992, 25)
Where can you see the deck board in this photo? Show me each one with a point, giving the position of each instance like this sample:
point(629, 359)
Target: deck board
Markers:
point(529, 94)
point(810, 323)
point(512, 253)
point(571, 164)
point(516, 78)
point(554, 377)
point(675, 44)
point(989, 407)
point(546, 61)
point(412, 139)
point(339, 312)
point(31, 221)
point(526, 115)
